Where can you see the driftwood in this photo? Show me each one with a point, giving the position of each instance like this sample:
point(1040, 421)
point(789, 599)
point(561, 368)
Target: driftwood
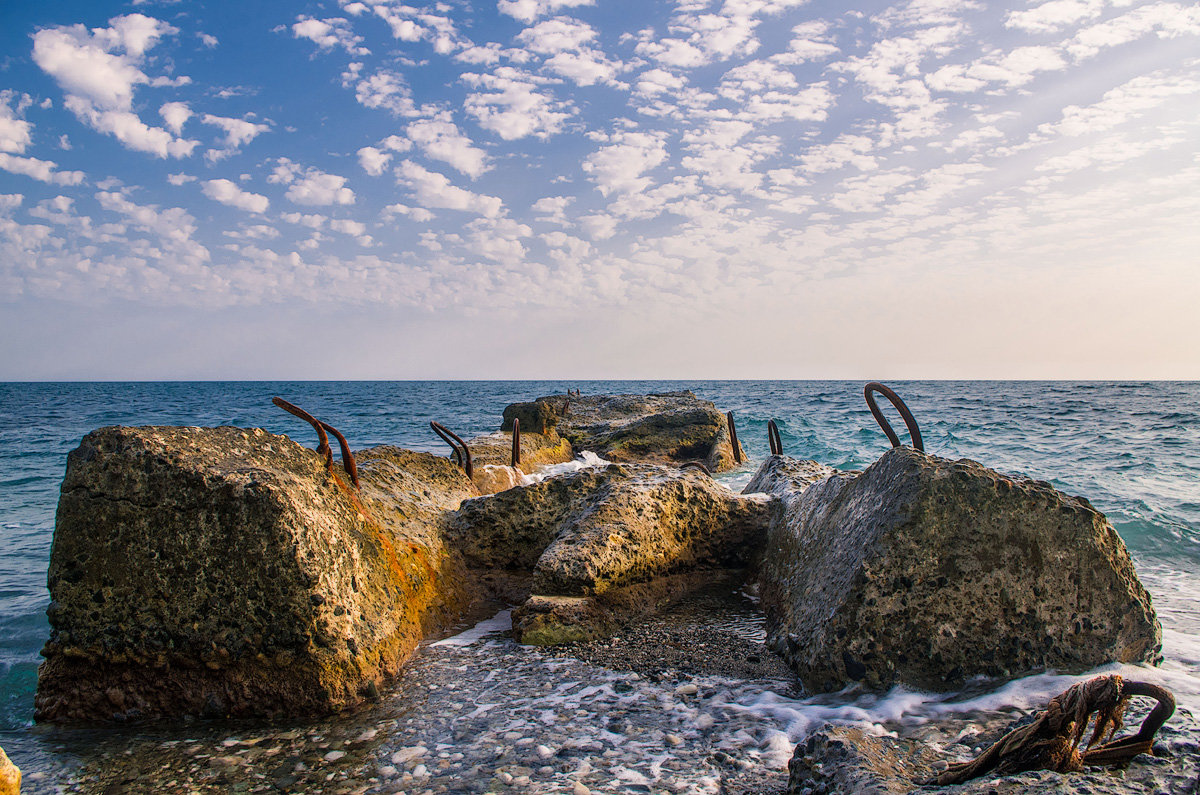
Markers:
point(1051, 742)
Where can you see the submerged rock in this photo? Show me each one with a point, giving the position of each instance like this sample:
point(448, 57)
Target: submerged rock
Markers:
point(220, 571)
point(928, 572)
point(671, 428)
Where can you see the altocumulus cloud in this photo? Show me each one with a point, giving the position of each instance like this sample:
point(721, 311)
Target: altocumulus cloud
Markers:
point(736, 162)
point(227, 192)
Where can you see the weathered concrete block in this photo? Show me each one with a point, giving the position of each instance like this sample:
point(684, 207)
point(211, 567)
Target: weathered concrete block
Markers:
point(670, 428)
point(928, 571)
point(221, 571)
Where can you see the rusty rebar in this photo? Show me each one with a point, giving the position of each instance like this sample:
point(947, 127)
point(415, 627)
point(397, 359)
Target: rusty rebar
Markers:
point(913, 431)
point(737, 448)
point(516, 449)
point(463, 455)
point(323, 448)
point(1123, 749)
point(773, 438)
point(347, 456)
point(1051, 741)
point(696, 465)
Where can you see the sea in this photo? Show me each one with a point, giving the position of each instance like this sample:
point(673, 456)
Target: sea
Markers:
point(1131, 448)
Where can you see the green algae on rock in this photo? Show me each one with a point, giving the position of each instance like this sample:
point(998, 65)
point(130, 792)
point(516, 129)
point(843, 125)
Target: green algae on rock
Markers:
point(221, 571)
point(928, 572)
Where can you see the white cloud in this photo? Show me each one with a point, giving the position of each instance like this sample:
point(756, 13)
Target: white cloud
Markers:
point(228, 193)
point(130, 130)
point(1166, 19)
point(175, 114)
point(10, 201)
point(619, 166)
point(15, 133)
point(173, 226)
point(599, 226)
point(556, 35)
point(811, 42)
point(348, 227)
point(100, 82)
point(373, 161)
point(512, 106)
point(439, 139)
point(529, 10)
point(434, 191)
point(845, 150)
point(675, 53)
point(584, 68)
point(180, 179)
point(553, 209)
point(386, 91)
point(238, 132)
point(310, 220)
point(42, 170)
point(329, 33)
point(310, 186)
point(1123, 103)
point(653, 82)
point(1054, 16)
point(418, 214)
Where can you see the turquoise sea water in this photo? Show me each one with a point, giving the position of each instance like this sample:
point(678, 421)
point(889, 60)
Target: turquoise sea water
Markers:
point(1133, 449)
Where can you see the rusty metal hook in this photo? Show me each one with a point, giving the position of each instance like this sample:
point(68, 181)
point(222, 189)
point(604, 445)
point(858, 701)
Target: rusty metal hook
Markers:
point(913, 431)
point(773, 438)
point(323, 449)
point(737, 448)
point(347, 457)
point(516, 447)
point(696, 465)
point(1125, 748)
point(450, 437)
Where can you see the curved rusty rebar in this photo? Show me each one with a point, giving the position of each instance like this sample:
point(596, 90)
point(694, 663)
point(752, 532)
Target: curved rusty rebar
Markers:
point(1051, 741)
point(696, 465)
point(737, 448)
point(463, 455)
point(1123, 749)
point(773, 438)
point(347, 456)
point(323, 448)
point(516, 450)
point(913, 431)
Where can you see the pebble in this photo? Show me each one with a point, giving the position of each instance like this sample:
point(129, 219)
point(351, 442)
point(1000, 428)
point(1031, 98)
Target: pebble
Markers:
point(512, 719)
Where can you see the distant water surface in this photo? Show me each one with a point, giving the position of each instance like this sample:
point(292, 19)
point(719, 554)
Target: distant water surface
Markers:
point(1133, 449)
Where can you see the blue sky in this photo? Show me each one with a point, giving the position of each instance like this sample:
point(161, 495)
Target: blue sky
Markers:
point(565, 189)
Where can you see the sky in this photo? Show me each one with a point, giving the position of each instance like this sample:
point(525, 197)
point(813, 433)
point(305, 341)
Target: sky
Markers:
point(571, 189)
